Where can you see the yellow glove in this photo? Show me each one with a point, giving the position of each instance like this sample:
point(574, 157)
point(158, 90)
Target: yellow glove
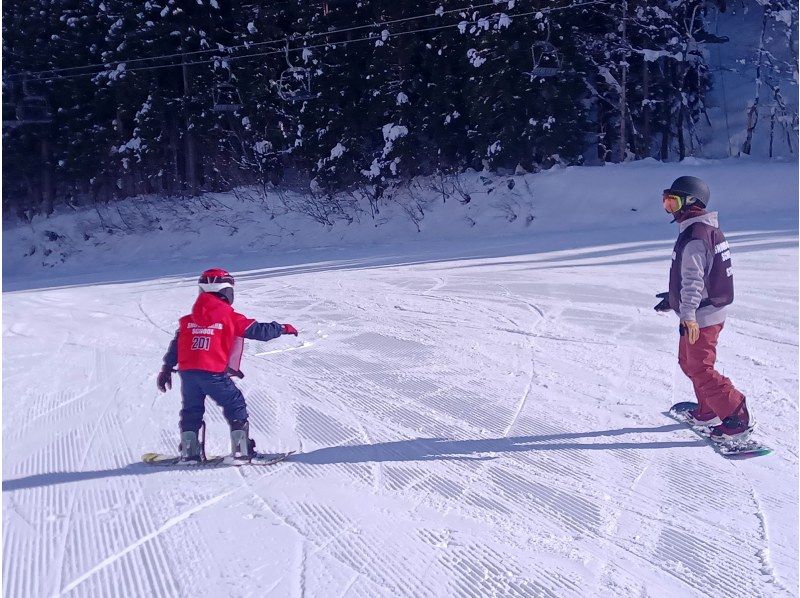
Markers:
point(692, 329)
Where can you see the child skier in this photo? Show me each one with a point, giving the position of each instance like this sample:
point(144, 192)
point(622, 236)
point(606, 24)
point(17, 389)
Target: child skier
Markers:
point(207, 349)
point(700, 288)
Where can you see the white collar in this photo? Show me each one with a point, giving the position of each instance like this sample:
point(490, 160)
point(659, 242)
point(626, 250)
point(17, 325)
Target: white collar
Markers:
point(709, 218)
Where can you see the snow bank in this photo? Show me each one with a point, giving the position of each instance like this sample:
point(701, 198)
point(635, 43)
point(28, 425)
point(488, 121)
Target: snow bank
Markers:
point(168, 236)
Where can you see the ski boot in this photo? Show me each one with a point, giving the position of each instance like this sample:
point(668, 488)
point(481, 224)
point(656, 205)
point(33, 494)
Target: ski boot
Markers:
point(243, 448)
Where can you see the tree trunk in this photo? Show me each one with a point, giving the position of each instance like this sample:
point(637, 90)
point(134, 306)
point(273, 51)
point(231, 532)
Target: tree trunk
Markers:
point(623, 94)
point(675, 80)
point(771, 130)
point(601, 133)
point(190, 148)
point(48, 185)
point(646, 135)
point(752, 112)
point(666, 121)
point(175, 184)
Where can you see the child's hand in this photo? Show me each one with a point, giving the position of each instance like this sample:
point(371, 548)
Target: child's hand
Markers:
point(164, 381)
point(288, 329)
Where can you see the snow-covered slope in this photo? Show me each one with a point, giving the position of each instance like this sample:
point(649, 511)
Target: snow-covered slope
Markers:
point(147, 237)
point(477, 413)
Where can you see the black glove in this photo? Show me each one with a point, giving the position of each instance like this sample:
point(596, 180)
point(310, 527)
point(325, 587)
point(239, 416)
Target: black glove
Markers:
point(164, 381)
point(663, 305)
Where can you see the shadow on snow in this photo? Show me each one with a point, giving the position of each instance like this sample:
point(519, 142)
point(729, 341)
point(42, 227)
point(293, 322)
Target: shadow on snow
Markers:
point(417, 449)
point(535, 251)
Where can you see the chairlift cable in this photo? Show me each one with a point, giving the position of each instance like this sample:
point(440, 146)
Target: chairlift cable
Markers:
point(281, 41)
point(254, 55)
point(54, 73)
point(261, 54)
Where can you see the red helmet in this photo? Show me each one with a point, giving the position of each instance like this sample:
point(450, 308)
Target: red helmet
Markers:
point(217, 280)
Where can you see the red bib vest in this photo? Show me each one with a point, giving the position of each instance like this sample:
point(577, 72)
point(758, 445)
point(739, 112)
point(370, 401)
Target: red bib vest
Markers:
point(210, 338)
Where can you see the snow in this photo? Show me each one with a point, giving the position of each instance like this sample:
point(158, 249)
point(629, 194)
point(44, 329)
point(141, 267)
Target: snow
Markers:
point(475, 58)
point(477, 406)
point(655, 55)
point(262, 147)
point(337, 151)
point(374, 170)
point(132, 144)
point(118, 72)
point(784, 16)
point(391, 133)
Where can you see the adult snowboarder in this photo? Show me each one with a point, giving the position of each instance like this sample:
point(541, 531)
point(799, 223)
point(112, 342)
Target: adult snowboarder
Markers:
point(207, 349)
point(700, 289)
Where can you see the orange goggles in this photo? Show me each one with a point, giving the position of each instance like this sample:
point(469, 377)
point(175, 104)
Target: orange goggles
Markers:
point(672, 202)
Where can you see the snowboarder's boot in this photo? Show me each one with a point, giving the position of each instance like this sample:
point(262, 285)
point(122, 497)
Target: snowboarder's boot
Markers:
point(243, 448)
point(696, 418)
point(191, 451)
point(735, 428)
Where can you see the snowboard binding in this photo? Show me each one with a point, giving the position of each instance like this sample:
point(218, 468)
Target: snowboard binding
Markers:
point(740, 448)
point(192, 448)
point(243, 448)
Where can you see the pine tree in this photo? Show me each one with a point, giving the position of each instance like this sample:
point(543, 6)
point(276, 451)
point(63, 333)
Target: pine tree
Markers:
point(178, 97)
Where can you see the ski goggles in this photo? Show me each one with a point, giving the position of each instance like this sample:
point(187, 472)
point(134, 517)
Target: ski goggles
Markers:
point(672, 202)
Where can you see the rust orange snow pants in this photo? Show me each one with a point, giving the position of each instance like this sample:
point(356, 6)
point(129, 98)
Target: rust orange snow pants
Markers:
point(715, 393)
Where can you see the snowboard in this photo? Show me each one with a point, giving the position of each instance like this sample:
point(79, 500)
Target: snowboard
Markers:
point(159, 459)
point(737, 449)
point(269, 459)
point(167, 460)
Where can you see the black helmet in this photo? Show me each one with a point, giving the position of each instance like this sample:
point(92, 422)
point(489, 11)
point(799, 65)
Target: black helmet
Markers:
point(695, 190)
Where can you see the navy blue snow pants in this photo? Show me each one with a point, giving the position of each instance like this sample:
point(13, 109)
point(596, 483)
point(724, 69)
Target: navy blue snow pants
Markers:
point(196, 385)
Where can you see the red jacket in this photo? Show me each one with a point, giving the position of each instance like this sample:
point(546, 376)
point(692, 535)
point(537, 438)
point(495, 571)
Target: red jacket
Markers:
point(210, 338)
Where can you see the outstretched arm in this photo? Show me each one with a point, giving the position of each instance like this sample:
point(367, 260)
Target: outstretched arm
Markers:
point(262, 331)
